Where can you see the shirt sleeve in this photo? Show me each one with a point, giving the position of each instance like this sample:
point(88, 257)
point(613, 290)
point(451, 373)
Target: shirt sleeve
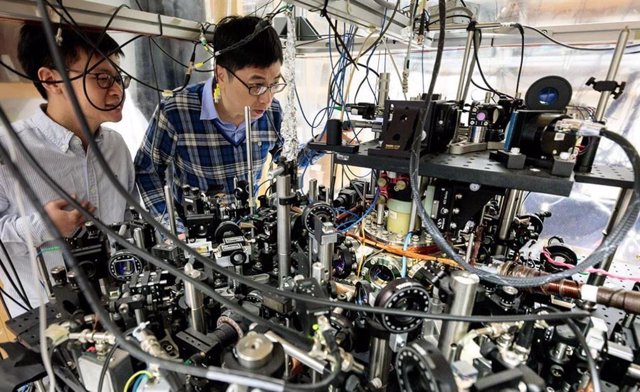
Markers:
point(153, 158)
point(16, 228)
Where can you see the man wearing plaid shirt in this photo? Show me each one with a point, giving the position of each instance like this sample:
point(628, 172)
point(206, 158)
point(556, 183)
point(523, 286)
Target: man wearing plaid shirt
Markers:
point(200, 132)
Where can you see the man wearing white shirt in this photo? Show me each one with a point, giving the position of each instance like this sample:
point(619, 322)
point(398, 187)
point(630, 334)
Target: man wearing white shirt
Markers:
point(54, 137)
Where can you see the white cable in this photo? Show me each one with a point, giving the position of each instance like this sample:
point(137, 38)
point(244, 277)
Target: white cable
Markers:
point(394, 65)
point(42, 311)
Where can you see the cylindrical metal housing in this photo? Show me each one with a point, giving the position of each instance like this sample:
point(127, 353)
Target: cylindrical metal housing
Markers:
point(383, 88)
point(312, 195)
point(461, 94)
point(253, 351)
point(171, 211)
point(249, 145)
point(194, 300)
point(138, 238)
point(380, 214)
point(293, 351)
point(510, 206)
point(283, 190)
point(379, 359)
point(464, 286)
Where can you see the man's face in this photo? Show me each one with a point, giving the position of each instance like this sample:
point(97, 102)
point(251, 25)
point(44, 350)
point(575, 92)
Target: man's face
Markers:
point(103, 87)
point(235, 95)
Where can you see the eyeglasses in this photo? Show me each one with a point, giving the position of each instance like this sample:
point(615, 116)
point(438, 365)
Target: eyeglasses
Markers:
point(259, 89)
point(106, 80)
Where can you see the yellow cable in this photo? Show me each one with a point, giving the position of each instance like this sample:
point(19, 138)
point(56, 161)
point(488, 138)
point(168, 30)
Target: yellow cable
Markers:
point(133, 377)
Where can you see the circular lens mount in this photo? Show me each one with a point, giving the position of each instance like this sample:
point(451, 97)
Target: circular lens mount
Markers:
point(322, 211)
point(403, 294)
point(421, 367)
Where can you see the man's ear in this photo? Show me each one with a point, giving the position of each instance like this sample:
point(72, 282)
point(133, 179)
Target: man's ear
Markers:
point(51, 80)
point(221, 75)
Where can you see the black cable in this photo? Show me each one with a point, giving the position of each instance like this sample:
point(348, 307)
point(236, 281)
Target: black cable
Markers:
point(13, 269)
point(475, 54)
point(366, 79)
point(265, 5)
point(593, 367)
point(65, 374)
point(337, 37)
point(323, 385)
point(605, 249)
point(140, 252)
point(155, 74)
point(313, 41)
point(105, 365)
point(21, 294)
point(13, 300)
point(480, 87)
point(152, 40)
point(74, 384)
point(83, 282)
point(157, 45)
point(25, 76)
point(76, 28)
point(240, 278)
point(521, 30)
point(187, 75)
point(383, 32)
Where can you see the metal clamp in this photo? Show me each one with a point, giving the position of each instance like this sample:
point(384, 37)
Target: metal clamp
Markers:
point(612, 86)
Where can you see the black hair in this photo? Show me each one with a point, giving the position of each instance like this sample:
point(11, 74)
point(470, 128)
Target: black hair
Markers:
point(262, 51)
point(33, 51)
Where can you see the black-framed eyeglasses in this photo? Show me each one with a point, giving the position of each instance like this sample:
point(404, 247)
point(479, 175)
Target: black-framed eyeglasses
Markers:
point(105, 80)
point(259, 89)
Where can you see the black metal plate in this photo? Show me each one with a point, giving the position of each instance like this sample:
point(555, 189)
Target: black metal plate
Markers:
point(617, 176)
point(25, 326)
point(472, 167)
point(477, 168)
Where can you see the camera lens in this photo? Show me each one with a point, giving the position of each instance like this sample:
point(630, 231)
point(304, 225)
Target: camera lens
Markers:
point(548, 96)
point(381, 274)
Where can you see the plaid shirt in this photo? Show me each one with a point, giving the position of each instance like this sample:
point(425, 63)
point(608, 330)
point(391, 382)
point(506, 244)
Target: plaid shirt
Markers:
point(201, 155)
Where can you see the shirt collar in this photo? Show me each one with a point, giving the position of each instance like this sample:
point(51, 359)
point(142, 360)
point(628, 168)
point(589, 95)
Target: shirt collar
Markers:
point(208, 109)
point(54, 132)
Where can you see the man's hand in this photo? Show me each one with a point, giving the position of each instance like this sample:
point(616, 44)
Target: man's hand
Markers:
point(66, 221)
